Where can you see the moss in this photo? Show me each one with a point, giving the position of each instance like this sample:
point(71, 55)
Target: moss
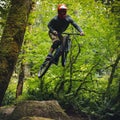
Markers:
point(35, 118)
point(47, 109)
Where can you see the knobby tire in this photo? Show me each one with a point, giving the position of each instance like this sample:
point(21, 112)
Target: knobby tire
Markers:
point(44, 68)
point(64, 52)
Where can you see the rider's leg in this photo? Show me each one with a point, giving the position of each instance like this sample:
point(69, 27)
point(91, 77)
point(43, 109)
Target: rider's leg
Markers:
point(53, 47)
point(55, 44)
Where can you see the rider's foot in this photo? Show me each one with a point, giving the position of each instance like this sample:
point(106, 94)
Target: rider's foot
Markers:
point(49, 57)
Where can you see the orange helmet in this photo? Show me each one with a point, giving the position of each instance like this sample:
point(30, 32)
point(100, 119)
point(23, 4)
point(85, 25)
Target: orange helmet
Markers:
point(62, 10)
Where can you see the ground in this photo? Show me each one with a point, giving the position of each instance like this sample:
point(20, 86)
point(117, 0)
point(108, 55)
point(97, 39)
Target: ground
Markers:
point(36, 110)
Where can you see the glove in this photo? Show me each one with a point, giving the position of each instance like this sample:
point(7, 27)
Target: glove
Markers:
point(55, 32)
point(82, 33)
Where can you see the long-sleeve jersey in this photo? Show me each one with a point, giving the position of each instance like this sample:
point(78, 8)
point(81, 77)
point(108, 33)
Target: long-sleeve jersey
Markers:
point(60, 25)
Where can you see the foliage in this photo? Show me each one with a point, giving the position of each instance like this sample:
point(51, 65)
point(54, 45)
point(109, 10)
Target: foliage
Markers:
point(82, 84)
point(4, 7)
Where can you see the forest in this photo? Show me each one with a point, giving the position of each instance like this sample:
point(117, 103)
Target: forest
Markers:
point(90, 81)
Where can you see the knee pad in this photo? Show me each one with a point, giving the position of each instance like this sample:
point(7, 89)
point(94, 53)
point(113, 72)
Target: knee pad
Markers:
point(56, 44)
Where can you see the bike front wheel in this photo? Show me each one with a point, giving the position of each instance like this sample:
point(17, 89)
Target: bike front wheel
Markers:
point(43, 68)
point(65, 50)
point(64, 58)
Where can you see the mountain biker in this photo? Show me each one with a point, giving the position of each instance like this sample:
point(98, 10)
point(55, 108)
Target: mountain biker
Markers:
point(59, 24)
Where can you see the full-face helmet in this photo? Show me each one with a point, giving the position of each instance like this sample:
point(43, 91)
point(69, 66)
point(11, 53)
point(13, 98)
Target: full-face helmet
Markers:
point(62, 10)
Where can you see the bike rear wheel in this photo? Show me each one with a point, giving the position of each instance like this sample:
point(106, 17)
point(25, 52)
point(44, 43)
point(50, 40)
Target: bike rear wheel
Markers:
point(43, 68)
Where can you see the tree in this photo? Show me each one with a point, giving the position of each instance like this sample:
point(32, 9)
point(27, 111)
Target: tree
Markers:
point(20, 80)
point(11, 41)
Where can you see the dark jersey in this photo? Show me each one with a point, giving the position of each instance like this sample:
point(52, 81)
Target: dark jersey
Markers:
point(60, 25)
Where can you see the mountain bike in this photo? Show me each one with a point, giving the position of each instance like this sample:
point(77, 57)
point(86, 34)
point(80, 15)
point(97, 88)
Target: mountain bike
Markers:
point(62, 51)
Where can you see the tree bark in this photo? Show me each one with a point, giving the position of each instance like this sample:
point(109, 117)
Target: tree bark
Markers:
point(11, 41)
point(114, 66)
point(20, 80)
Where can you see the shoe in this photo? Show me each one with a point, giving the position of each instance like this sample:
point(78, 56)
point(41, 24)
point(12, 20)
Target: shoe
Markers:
point(49, 57)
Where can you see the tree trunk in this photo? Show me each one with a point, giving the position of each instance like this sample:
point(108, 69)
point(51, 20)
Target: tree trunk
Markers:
point(110, 80)
point(11, 41)
point(20, 81)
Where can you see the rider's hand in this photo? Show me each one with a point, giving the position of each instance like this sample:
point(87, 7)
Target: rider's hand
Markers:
point(82, 33)
point(55, 32)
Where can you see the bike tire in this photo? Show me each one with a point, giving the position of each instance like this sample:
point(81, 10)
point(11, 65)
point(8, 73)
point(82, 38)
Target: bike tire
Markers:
point(64, 58)
point(64, 52)
point(44, 68)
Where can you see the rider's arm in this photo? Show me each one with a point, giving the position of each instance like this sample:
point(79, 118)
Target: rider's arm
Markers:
point(50, 25)
point(75, 25)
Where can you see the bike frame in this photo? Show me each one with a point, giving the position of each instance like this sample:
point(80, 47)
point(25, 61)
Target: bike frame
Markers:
point(62, 51)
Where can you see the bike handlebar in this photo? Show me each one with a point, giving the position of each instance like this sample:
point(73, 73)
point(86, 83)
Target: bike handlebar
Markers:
point(71, 33)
